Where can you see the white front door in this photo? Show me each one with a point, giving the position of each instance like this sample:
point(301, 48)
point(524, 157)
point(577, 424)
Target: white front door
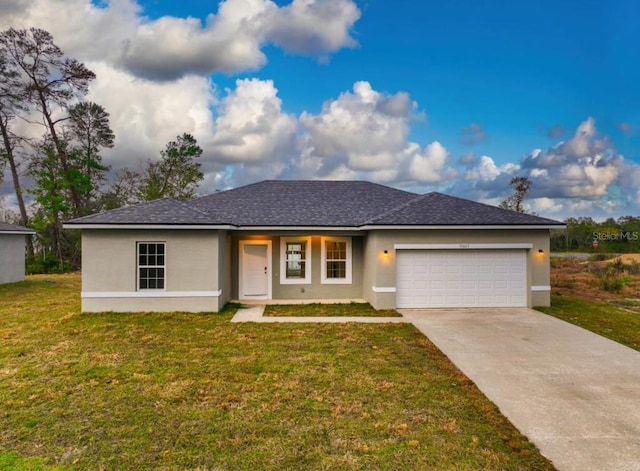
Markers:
point(255, 269)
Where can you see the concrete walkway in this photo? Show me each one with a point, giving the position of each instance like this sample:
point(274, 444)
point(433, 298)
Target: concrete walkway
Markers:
point(255, 314)
point(575, 394)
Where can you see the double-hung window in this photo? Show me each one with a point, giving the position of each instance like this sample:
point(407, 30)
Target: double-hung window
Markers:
point(295, 260)
point(336, 260)
point(151, 265)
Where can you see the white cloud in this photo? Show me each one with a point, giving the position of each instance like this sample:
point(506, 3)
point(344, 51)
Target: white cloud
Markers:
point(582, 142)
point(544, 205)
point(145, 115)
point(251, 127)
point(584, 175)
point(364, 131)
point(430, 165)
point(82, 29)
point(313, 27)
point(585, 166)
point(488, 171)
point(168, 48)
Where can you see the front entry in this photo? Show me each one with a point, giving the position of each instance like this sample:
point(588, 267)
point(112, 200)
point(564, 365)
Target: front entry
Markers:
point(255, 269)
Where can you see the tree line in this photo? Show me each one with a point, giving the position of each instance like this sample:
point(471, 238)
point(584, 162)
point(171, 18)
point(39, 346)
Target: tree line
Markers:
point(51, 140)
point(583, 234)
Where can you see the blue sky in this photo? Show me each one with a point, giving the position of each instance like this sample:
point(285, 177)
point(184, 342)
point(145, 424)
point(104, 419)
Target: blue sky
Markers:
point(454, 96)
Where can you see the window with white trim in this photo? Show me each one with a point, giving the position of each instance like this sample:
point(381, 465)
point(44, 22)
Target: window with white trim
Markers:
point(151, 265)
point(336, 260)
point(295, 260)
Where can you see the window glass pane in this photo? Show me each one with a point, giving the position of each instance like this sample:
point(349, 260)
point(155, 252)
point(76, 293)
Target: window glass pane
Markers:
point(151, 259)
point(295, 269)
point(295, 259)
point(336, 269)
point(336, 250)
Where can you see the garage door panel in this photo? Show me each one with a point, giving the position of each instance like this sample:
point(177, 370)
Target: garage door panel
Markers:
point(461, 278)
point(468, 284)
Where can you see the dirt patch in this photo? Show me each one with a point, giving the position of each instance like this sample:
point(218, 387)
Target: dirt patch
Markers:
point(588, 279)
point(630, 258)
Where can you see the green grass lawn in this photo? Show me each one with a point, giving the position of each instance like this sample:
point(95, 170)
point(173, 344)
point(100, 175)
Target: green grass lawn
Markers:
point(331, 310)
point(613, 322)
point(193, 391)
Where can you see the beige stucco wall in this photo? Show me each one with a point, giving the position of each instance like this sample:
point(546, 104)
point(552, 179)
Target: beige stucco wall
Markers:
point(192, 265)
point(316, 290)
point(12, 252)
point(205, 262)
point(380, 269)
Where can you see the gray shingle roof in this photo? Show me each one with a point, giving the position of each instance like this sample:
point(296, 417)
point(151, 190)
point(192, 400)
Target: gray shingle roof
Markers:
point(436, 209)
point(286, 204)
point(302, 203)
point(162, 211)
point(5, 227)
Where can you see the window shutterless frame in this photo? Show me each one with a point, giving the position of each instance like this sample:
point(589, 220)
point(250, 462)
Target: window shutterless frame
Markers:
point(295, 260)
point(336, 260)
point(151, 259)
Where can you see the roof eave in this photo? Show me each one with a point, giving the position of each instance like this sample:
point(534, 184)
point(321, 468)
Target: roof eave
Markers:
point(18, 232)
point(370, 227)
point(297, 228)
point(70, 225)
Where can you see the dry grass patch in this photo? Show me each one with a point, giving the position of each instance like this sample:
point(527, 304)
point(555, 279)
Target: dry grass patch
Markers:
point(328, 310)
point(584, 279)
point(579, 297)
point(194, 391)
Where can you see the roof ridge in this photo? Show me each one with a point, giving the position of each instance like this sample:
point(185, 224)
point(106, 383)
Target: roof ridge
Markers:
point(394, 209)
point(185, 204)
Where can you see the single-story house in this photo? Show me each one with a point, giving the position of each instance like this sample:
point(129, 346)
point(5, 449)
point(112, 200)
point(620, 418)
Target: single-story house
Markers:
point(12, 252)
point(313, 240)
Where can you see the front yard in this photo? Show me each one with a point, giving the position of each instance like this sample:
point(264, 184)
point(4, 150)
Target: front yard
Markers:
point(193, 391)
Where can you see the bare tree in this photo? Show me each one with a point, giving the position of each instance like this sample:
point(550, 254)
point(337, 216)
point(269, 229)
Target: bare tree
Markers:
point(12, 99)
point(520, 187)
point(50, 82)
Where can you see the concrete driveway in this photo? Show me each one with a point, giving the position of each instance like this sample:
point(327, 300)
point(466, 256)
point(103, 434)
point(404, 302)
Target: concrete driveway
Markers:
point(575, 394)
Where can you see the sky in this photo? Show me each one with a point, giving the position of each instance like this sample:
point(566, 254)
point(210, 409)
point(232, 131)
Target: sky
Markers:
point(456, 96)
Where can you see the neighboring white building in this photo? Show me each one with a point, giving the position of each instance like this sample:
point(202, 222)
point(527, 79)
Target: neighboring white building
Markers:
point(12, 252)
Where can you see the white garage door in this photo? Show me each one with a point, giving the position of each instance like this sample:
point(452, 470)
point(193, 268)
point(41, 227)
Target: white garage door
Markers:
point(461, 278)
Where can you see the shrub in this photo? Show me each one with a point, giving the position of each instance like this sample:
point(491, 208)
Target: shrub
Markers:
point(633, 268)
point(614, 284)
point(46, 264)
